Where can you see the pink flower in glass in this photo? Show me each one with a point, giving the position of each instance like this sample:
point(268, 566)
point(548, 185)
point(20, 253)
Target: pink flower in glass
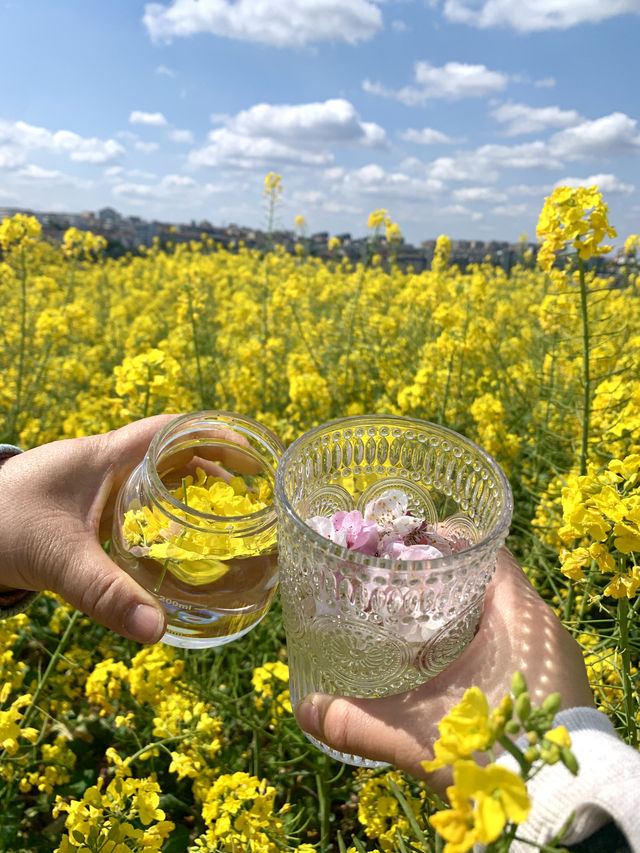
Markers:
point(362, 535)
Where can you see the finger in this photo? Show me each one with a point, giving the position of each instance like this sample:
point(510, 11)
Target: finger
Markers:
point(84, 576)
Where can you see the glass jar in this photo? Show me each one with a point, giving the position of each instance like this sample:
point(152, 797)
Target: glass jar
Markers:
point(195, 525)
point(369, 626)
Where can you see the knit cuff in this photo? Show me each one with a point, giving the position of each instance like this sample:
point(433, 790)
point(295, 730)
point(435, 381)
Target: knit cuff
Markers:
point(8, 450)
point(13, 601)
point(606, 788)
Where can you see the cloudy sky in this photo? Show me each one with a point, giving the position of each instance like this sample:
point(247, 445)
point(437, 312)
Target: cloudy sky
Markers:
point(457, 116)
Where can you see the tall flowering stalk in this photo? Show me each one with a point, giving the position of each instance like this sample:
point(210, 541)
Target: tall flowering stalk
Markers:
point(577, 218)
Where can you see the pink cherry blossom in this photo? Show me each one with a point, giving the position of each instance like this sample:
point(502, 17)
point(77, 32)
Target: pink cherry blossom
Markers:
point(362, 535)
point(386, 529)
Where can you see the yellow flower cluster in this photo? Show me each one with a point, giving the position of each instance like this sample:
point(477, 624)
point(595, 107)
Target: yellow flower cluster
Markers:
point(193, 731)
point(239, 811)
point(577, 217)
point(270, 684)
point(196, 551)
point(19, 229)
point(601, 514)
point(121, 817)
point(380, 811)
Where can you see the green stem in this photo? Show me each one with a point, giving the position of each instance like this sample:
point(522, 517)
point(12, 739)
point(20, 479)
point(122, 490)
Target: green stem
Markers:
point(196, 345)
point(623, 629)
point(55, 657)
point(324, 805)
point(513, 750)
point(586, 370)
point(162, 575)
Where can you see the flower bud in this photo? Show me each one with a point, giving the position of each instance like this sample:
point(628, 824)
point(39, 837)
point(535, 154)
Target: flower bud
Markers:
point(551, 704)
point(569, 760)
point(523, 706)
point(518, 684)
point(532, 753)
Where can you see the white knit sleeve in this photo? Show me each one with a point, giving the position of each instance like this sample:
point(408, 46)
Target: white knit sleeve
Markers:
point(607, 785)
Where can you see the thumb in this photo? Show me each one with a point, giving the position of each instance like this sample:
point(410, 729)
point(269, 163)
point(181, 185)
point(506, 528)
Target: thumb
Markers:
point(366, 727)
point(85, 576)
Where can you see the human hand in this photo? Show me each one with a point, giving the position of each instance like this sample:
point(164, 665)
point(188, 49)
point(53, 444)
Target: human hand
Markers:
point(517, 631)
point(56, 506)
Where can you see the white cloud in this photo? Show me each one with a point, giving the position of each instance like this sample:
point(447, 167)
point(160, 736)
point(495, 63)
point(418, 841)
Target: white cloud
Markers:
point(399, 26)
point(608, 136)
point(451, 81)
point(606, 183)
point(226, 148)
point(178, 189)
point(33, 174)
point(146, 147)
point(426, 136)
point(514, 210)
point(181, 136)
point(18, 137)
point(291, 24)
point(484, 165)
point(268, 134)
point(460, 210)
point(478, 194)
point(151, 119)
point(535, 15)
point(373, 180)
point(330, 122)
point(117, 173)
point(167, 72)
point(523, 119)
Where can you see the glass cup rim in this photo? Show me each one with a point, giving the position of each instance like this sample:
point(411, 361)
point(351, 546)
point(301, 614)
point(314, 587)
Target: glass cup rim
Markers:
point(222, 419)
point(364, 561)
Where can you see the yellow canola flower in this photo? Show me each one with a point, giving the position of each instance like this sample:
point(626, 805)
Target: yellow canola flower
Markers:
point(484, 800)
point(574, 216)
point(273, 185)
point(378, 219)
point(464, 730)
point(193, 548)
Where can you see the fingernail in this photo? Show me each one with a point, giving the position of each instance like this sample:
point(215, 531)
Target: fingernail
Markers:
point(307, 715)
point(144, 623)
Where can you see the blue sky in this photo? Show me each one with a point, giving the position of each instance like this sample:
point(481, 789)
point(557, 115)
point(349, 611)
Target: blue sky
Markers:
point(457, 116)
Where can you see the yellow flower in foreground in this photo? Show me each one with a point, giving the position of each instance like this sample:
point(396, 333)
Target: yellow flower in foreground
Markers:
point(456, 825)
point(465, 729)
point(484, 800)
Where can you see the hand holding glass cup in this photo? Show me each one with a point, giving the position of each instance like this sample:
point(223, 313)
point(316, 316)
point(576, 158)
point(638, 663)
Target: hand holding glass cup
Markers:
point(195, 525)
point(364, 625)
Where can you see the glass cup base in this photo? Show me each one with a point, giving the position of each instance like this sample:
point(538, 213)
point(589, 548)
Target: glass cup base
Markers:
point(182, 641)
point(346, 757)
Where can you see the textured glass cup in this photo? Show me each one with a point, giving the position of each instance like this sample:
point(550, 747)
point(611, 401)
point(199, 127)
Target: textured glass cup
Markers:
point(215, 575)
point(366, 626)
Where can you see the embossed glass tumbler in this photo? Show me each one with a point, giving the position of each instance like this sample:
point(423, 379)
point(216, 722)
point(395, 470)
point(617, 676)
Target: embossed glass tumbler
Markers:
point(195, 524)
point(368, 626)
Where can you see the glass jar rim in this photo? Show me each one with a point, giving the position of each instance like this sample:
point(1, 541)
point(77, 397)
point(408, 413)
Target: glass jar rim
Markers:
point(400, 567)
point(242, 424)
